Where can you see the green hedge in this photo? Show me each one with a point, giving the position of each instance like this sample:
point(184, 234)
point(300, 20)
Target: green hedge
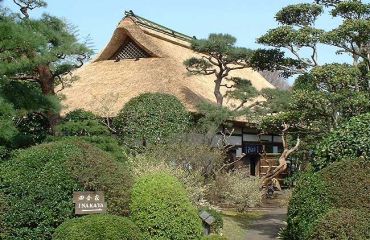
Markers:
point(79, 115)
point(108, 144)
point(81, 123)
point(162, 210)
point(351, 140)
point(98, 227)
point(342, 224)
point(38, 184)
point(340, 185)
point(153, 117)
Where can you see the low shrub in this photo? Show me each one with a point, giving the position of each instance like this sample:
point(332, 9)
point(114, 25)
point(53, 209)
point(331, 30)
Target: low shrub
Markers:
point(193, 181)
point(236, 189)
point(194, 157)
point(3, 210)
point(151, 118)
point(83, 128)
point(108, 144)
point(340, 185)
point(81, 123)
point(79, 115)
point(342, 224)
point(38, 184)
point(349, 141)
point(98, 227)
point(162, 210)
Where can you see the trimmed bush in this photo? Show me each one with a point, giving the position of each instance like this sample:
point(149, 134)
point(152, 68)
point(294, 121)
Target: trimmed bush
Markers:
point(342, 224)
point(193, 181)
point(153, 117)
point(340, 185)
point(3, 210)
point(38, 184)
point(108, 144)
point(98, 227)
point(161, 209)
point(79, 115)
point(351, 140)
point(81, 123)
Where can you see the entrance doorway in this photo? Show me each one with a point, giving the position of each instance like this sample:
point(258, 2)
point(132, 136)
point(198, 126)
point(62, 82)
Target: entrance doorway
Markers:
point(254, 164)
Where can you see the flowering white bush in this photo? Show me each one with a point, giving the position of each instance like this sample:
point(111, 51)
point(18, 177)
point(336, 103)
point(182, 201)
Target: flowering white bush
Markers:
point(192, 180)
point(236, 189)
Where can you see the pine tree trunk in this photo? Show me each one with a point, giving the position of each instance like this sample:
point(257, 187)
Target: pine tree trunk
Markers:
point(46, 81)
point(217, 92)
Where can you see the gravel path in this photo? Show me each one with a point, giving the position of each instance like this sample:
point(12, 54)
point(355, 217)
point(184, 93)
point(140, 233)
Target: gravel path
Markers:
point(268, 226)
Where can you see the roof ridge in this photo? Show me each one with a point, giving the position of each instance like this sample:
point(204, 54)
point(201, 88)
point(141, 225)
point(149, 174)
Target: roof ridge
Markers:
point(157, 27)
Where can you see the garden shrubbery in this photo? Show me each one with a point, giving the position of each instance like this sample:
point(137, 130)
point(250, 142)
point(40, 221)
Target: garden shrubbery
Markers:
point(98, 227)
point(194, 157)
point(342, 224)
point(81, 123)
point(351, 140)
point(162, 210)
point(193, 181)
point(38, 184)
point(342, 184)
point(236, 189)
point(151, 117)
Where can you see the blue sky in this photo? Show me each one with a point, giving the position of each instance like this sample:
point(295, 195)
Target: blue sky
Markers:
point(245, 19)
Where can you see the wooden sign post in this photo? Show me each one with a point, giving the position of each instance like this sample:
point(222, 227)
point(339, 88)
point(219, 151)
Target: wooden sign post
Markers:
point(89, 203)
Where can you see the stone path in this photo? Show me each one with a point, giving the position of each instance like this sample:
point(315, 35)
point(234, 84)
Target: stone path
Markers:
point(268, 226)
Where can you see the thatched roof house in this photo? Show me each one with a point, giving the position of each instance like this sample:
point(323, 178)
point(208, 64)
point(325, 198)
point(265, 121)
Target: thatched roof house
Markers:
point(143, 56)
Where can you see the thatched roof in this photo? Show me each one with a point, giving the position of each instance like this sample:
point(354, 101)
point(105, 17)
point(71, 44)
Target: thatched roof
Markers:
point(105, 85)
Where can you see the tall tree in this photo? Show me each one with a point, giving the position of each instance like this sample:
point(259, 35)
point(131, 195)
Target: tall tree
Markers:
point(42, 51)
point(219, 57)
point(325, 94)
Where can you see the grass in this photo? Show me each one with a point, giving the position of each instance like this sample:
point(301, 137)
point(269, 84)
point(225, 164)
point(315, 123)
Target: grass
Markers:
point(236, 224)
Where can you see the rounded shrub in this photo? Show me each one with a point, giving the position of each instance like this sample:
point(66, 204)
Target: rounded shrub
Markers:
point(81, 123)
point(79, 115)
point(38, 184)
point(98, 227)
point(108, 144)
point(342, 224)
point(162, 210)
point(351, 140)
point(151, 117)
point(341, 185)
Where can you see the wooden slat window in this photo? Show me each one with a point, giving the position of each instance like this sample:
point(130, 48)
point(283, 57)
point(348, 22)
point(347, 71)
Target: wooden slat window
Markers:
point(130, 50)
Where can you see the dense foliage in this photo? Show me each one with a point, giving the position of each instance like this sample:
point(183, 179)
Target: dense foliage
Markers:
point(221, 57)
point(236, 189)
point(162, 210)
point(192, 180)
point(81, 123)
point(342, 224)
point(151, 118)
point(350, 140)
point(98, 227)
point(192, 156)
point(39, 53)
point(38, 184)
point(340, 185)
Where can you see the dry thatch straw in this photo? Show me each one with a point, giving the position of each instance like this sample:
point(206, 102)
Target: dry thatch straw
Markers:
point(162, 72)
